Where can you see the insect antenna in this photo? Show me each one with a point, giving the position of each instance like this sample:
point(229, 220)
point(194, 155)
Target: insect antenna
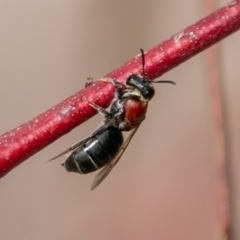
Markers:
point(144, 73)
point(164, 81)
point(143, 64)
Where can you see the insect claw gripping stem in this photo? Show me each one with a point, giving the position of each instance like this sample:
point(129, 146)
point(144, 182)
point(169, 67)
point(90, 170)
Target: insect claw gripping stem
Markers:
point(89, 81)
point(21, 143)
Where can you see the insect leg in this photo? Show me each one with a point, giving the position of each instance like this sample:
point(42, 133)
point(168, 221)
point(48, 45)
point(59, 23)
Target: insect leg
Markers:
point(97, 108)
point(120, 86)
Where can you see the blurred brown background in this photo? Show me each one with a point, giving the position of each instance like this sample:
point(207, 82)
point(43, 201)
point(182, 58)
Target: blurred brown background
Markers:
point(165, 185)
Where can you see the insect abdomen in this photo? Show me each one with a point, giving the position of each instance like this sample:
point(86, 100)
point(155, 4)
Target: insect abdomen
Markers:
point(96, 153)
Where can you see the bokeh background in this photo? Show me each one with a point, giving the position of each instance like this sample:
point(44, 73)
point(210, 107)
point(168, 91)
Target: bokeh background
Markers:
point(165, 186)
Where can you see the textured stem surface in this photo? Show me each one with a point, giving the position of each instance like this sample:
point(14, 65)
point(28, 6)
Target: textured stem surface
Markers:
point(22, 142)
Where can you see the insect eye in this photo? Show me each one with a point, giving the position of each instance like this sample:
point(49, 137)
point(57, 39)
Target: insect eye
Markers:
point(149, 92)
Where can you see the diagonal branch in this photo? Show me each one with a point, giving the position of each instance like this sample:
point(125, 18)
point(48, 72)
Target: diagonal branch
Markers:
point(24, 141)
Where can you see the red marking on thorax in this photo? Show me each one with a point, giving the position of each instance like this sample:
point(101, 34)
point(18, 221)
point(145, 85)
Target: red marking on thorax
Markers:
point(134, 113)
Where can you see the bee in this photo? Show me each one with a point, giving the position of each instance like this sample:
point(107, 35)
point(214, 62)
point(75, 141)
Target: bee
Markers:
point(105, 146)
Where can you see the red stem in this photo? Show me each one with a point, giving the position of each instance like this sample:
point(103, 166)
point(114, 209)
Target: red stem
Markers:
point(22, 142)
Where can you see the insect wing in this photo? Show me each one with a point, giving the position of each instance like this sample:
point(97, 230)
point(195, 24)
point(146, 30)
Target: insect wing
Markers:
point(107, 169)
point(85, 140)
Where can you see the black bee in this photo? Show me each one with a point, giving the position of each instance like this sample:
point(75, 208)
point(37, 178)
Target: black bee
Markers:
point(104, 147)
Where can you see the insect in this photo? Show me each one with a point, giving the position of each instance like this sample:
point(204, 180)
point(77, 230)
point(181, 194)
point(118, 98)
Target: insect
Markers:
point(105, 146)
